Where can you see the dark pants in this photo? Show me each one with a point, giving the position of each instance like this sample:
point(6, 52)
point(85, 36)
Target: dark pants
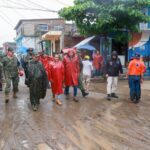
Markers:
point(135, 87)
point(96, 73)
point(34, 93)
point(75, 90)
point(0, 86)
point(1, 76)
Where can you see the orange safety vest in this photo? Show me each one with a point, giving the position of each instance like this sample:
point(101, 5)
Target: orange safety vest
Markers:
point(136, 67)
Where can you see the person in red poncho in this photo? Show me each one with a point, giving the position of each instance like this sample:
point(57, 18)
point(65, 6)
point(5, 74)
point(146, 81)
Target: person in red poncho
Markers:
point(44, 59)
point(71, 65)
point(97, 63)
point(56, 78)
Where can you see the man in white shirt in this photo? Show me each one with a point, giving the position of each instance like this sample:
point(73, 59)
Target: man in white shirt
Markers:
point(87, 72)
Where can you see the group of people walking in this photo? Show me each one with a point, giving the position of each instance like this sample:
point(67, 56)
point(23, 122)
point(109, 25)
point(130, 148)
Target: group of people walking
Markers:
point(42, 71)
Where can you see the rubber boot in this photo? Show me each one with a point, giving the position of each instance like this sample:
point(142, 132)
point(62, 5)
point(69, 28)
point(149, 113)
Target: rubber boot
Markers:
point(75, 99)
point(6, 98)
point(108, 97)
point(114, 95)
point(0, 86)
point(84, 93)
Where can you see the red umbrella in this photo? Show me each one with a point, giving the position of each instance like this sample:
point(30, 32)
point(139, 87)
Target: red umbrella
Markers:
point(66, 50)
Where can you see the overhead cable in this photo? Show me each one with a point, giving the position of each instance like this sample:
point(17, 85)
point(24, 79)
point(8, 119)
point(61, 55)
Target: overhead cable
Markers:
point(37, 9)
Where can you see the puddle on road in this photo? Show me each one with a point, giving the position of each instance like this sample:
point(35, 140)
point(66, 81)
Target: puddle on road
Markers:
point(43, 146)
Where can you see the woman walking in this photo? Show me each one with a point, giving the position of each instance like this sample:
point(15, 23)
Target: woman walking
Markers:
point(56, 78)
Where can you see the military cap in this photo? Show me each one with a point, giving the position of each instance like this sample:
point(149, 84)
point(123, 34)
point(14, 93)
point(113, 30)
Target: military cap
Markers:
point(10, 49)
point(30, 49)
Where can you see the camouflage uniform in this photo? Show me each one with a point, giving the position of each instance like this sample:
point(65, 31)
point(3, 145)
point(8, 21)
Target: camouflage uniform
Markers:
point(80, 77)
point(10, 67)
point(37, 82)
point(1, 71)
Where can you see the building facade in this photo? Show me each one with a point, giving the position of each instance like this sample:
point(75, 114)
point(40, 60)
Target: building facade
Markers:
point(66, 36)
point(140, 42)
point(44, 35)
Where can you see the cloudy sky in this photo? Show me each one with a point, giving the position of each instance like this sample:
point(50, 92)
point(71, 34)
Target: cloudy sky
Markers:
point(11, 11)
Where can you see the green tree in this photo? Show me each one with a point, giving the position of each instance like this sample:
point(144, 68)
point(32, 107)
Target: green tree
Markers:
point(105, 17)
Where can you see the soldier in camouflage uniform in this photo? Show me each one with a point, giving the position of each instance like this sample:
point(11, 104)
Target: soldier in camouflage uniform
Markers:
point(80, 77)
point(1, 70)
point(25, 62)
point(11, 67)
point(37, 81)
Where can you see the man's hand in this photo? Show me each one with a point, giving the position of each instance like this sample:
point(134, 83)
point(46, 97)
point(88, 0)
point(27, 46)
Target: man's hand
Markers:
point(141, 80)
point(106, 75)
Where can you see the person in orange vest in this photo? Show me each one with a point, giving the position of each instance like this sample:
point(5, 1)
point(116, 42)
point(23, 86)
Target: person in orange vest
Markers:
point(97, 63)
point(135, 78)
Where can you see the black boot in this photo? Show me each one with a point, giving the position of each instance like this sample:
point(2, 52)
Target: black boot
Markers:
point(0, 86)
point(114, 95)
point(84, 93)
point(137, 100)
point(109, 97)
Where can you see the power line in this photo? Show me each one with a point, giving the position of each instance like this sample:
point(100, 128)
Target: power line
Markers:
point(21, 4)
point(10, 1)
point(6, 17)
point(37, 9)
point(3, 18)
point(26, 4)
point(37, 5)
point(62, 3)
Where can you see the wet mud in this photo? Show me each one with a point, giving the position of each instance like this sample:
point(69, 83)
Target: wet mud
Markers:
point(91, 124)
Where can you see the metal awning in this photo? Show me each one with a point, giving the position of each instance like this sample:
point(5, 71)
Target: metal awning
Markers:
point(84, 42)
point(87, 47)
point(52, 35)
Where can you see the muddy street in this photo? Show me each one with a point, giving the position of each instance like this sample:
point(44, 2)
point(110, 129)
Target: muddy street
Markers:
point(91, 124)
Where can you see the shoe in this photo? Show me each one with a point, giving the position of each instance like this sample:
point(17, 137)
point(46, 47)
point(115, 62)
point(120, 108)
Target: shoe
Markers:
point(6, 101)
point(114, 95)
point(137, 101)
point(34, 108)
point(132, 99)
point(58, 102)
point(84, 93)
point(14, 95)
point(75, 99)
point(108, 97)
point(37, 106)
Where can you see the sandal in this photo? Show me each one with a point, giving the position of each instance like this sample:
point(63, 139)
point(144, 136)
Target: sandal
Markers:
point(58, 102)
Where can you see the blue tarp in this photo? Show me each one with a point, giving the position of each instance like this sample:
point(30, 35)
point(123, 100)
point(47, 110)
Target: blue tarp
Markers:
point(87, 47)
point(22, 50)
point(85, 44)
point(143, 50)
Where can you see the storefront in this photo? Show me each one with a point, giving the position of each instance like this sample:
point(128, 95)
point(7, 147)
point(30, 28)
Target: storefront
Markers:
point(52, 42)
point(140, 43)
